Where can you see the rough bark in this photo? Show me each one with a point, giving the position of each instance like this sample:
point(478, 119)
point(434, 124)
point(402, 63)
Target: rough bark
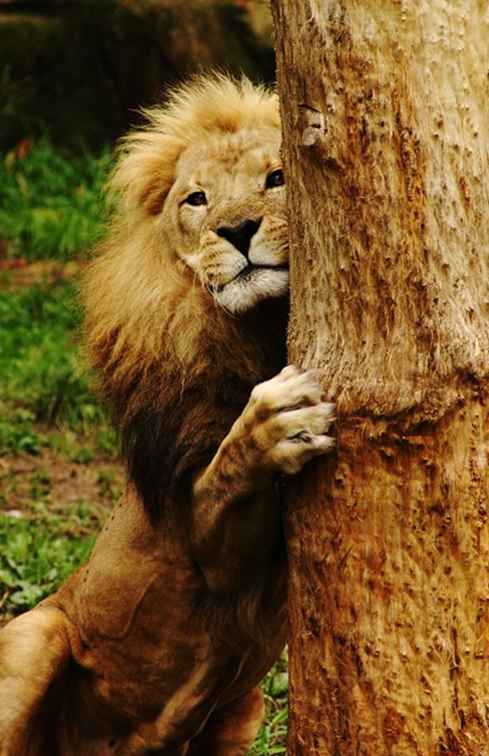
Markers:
point(386, 142)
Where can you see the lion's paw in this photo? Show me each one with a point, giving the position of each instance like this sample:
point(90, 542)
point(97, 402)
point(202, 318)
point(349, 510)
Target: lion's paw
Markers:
point(287, 421)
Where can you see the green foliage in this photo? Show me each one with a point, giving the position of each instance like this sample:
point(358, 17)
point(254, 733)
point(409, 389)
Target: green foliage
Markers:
point(39, 550)
point(16, 432)
point(273, 735)
point(41, 377)
point(272, 738)
point(51, 204)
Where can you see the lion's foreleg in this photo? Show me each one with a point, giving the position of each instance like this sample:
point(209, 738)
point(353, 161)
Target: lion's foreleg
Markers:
point(235, 514)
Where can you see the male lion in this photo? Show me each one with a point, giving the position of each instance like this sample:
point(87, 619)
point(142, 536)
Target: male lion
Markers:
point(157, 644)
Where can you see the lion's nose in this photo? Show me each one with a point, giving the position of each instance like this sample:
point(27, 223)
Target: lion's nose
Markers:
point(241, 234)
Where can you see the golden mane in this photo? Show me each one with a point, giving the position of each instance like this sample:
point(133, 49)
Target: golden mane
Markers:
point(141, 310)
point(200, 108)
point(151, 331)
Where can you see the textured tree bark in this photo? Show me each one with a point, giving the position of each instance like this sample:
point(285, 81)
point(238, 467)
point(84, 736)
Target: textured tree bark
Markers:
point(386, 142)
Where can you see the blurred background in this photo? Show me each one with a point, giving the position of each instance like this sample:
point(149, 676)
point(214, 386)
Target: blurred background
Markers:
point(73, 74)
point(78, 69)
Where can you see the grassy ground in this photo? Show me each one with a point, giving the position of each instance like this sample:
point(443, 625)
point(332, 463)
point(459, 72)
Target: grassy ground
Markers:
point(59, 467)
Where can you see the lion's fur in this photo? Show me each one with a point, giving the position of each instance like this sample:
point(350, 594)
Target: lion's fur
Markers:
point(150, 331)
point(158, 642)
point(138, 313)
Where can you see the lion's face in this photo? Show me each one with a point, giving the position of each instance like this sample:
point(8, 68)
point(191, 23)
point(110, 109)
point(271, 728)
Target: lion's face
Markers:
point(225, 217)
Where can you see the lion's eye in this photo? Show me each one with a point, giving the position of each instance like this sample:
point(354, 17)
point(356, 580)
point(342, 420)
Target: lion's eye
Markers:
point(196, 198)
point(275, 178)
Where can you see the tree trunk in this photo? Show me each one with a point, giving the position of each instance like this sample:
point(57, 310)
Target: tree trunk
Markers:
point(385, 109)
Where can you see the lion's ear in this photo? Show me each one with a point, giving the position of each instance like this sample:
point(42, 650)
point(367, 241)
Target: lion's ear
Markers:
point(145, 171)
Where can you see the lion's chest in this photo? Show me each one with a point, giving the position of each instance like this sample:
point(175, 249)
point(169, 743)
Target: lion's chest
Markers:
point(151, 637)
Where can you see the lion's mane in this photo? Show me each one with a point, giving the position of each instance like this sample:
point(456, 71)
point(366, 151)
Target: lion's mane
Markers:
point(175, 369)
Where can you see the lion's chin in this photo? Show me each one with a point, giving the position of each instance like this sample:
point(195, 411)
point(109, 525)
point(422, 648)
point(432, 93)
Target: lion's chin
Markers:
point(243, 293)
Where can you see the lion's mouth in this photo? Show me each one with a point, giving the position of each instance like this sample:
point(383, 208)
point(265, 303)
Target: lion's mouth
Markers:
point(247, 273)
point(250, 269)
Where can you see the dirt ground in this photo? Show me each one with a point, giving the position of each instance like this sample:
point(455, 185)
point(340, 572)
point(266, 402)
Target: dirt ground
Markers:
point(99, 482)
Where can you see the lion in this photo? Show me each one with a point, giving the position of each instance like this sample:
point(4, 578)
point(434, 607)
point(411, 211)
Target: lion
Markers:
point(157, 644)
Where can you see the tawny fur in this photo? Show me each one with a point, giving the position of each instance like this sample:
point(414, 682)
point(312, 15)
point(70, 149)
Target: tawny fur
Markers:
point(143, 309)
point(158, 642)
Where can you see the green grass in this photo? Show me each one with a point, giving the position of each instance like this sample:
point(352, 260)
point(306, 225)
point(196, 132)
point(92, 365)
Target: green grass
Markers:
point(51, 204)
point(42, 379)
point(40, 549)
point(272, 738)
